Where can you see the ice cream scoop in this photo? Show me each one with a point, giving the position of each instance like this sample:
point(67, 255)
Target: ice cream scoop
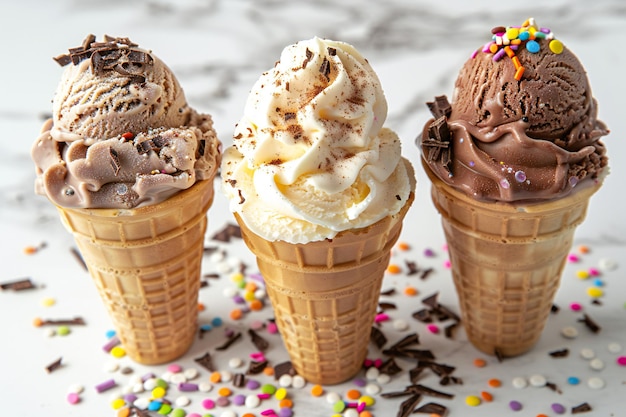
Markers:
point(122, 134)
point(522, 123)
point(310, 156)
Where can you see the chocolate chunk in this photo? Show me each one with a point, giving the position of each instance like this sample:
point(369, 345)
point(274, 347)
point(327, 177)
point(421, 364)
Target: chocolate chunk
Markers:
point(62, 60)
point(431, 408)
point(410, 353)
point(582, 408)
point(325, 68)
point(384, 306)
point(331, 51)
point(498, 354)
point(415, 373)
point(411, 267)
point(561, 353)
point(423, 316)
point(448, 331)
point(283, 368)
point(259, 342)
point(445, 313)
point(441, 369)
point(408, 405)
point(424, 390)
point(437, 144)
point(18, 285)
point(239, 380)
point(227, 232)
point(289, 116)
point(440, 107)
point(408, 340)
point(396, 394)
point(591, 325)
point(390, 367)
point(431, 301)
point(64, 322)
point(426, 272)
point(390, 291)
point(201, 147)
point(206, 362)
point(79, 258)
point(378, 338)
point(54, 365)
point(115, 161)
point(232, 339)
point(256, 368)
point(554, 309)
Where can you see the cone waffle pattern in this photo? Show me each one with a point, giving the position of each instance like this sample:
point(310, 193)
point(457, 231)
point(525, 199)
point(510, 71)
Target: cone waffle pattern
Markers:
point(146, 265)
point(325, 295)
point(507, 262)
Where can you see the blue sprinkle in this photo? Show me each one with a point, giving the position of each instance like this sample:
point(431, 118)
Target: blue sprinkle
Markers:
point(110, 333)
point(205, 327)
point(572, 380)
point(598, 282)
point(532, 47)
point(523, 36)
point(154, 405)
point(216, 322)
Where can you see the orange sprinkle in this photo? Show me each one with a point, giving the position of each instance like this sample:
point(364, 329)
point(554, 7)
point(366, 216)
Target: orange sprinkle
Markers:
point(248, 415)
point(486, 396)
point(353, 394)
point(37, 322)
point(404, 246)
point(516, 62)
point(410, 291)
point(480, 363)
point(583, 249)
point(541, 415)
point(285, 403)
point(251, 286)
point(268, 370)
point(493, 48)
point(365, 413)
point(317, 390)
point(516, 42)
point(123, 412)
point(215, 377)
point(509, 51)
point(29, 250)
point(518, 73)
point(435, 415)
point(224, 392)
point(394, 269)
point(236, 314)
point(494, 383)
point(201, 307)
point(256, 305)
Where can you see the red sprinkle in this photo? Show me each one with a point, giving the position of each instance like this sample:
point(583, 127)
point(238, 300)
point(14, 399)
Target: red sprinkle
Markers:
point(128, 135)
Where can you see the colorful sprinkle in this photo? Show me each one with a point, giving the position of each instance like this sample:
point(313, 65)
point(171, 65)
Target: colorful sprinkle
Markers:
point(595, 292)
point(574, 306)
point(480, 363)
point(515, 405)
point(472, 400)
point(486, 396)
point(394, 269)
point(582, 274)
point(494, 383)
point(558, 408)
point(621, 360)
point(572, 380)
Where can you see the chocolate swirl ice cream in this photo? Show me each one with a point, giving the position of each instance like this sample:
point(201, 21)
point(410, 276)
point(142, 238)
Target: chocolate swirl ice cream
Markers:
point(522, 124)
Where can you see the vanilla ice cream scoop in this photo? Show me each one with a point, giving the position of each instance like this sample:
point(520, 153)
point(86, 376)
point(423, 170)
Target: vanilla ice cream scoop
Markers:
point(310, 156)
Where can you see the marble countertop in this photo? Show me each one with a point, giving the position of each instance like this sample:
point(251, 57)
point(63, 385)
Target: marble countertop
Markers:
point(218, 49)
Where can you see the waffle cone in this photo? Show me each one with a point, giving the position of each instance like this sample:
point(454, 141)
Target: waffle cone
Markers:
point(507, 261)
point(325, 294)
point(146, 265)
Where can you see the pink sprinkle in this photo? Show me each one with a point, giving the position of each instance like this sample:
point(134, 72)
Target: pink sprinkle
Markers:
point(208, 404)
point(594, 272)
point(268, 412)
point(433, 328)
point(263, 396)
point(445, 247)
point(368, 363)
point(73, 398)
point(487, 46)
point(272, 328)
point(361, 406)
point(114, 341)
point(174, 368)
point(257, 356)
point(194, 415)
point(378, 363)
point(447, 264)
point(621, 361)
point(575, 306)
point(352, 405)
point(572, 257)
point(381, 317)
point(474, 54)
point(256, 325)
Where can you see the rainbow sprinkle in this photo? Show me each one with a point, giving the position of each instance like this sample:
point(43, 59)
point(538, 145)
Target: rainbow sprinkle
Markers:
point(506, 41)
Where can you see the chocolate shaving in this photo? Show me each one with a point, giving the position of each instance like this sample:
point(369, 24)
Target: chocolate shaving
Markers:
point(239, 380)
point(554, 387)
point(450, 380)
point(431, 408)
point(582, 408)
point(205, 361)
point(408, 405)
point(561, 353)
point(591, 325)
point(448, 331)
point(325, 68)
point(259, 342)
point(415, 373)
point(410, 339)
point(18, 285)
point(423, 316)
point(410, 353)
point(384, 306)
point(390, 367)
point(227, 232)
point(283, 368)
point(256, 368)
point(431, 301)
point(232, 339)
point(498, 354)
point(54, 365)
point(331, 51)
point(424, 390)
point(426, 272)
point(63, 322)
point(378, 338)
point(115, 161)
point(289, 116)
point(412, 267)
point(596, 302)
point(554, 309)
point(395, 394)
point(114, 54)
point(390, 291)
point(309, 55)
point(438, 368)
point(79, 258)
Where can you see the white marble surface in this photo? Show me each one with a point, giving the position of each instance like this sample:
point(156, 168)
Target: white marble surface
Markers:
point(218, 49)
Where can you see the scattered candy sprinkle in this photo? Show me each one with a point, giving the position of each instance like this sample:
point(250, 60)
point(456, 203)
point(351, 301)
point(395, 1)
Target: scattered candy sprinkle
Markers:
point(472, 400)
point(582, 274)
point(480, 363)
point(569, 332)
point(595, 292)
point(519, 382)
point(515, 405)
point(572, 380)
point(317, 390)
point(494, 383)
point(410, 291)
point(486, 396)
point(394, 269)
point(574, 306)
point(595, 383)
point(621, 360)
point(118, 352)
point(558, 408)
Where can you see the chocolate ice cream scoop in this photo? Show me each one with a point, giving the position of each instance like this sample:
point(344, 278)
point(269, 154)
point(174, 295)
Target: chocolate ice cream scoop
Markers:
point(522, 123)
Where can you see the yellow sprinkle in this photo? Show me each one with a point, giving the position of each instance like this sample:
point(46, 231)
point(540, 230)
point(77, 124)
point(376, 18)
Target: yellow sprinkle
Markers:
point(369, 401)
point(595, 292)
point(158, 392)
point(512, 33)
point(238, 277)
point(48, 302)
point(249, 296)
point(472, 400)
point(556, 46)
point(582, 274)
point(118, 352)
point(281, 394)
point(118, 403)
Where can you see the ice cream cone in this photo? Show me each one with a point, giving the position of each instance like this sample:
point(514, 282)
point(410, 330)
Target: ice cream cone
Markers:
point(325, 294)
point(507, 261)
point(146, 263)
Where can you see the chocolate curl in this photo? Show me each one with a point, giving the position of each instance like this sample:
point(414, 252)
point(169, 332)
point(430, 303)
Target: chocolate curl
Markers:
point(437, 144)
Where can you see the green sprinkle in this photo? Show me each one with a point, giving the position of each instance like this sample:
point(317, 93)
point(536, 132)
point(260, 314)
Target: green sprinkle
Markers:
point(63, 330)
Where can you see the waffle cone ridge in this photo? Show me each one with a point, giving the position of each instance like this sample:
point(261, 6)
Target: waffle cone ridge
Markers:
point(325, 294)
point(507, 261)
point(146, 264)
